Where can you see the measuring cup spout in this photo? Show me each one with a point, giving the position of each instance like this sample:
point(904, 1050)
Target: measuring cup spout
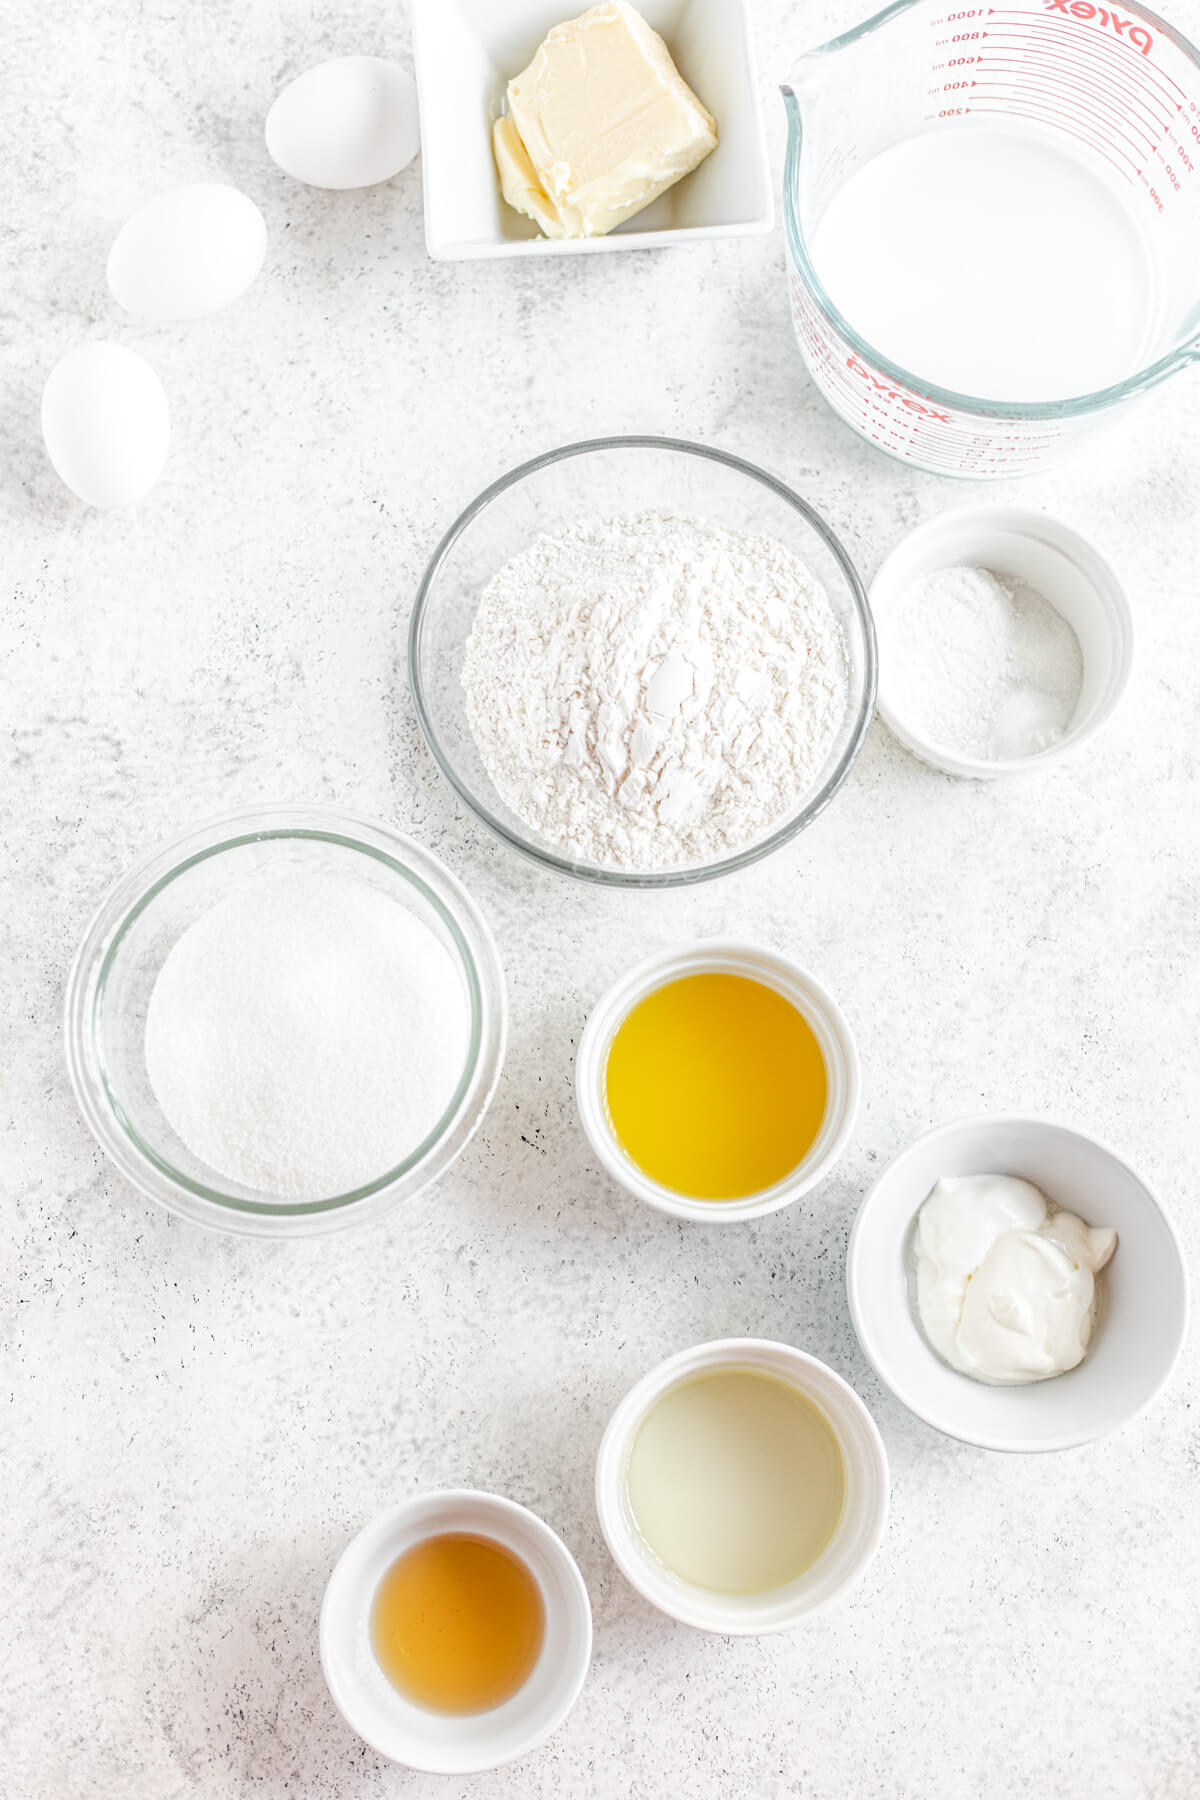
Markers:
point(795, 137)
point(806, 80)
point(792, 108)
point(821, 93)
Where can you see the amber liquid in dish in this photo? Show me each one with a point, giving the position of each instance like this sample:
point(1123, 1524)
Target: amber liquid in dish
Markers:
point(457, 1623)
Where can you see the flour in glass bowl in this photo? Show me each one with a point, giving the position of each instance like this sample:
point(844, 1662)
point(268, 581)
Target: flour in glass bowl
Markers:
point(652, 691)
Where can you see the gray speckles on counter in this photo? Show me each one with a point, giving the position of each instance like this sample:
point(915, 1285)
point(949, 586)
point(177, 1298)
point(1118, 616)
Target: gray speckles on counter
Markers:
point(193, 1426)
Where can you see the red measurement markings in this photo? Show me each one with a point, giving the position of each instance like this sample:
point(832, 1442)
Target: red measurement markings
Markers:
point(1091, 76)
point(1049, 110)
point(1009, 109)
point(879, 388)
point(1044, 94)
point(898, 418)
point(1184, 150)
point(1112, 52)
point(950, 445)
point(1086, 79)
point(997, 461)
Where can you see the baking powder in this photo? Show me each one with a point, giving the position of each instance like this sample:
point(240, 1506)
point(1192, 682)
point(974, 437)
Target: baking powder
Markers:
point(981, 664)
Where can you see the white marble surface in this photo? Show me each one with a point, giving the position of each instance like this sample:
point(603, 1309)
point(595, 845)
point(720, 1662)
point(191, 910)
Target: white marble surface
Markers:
point(193, 1426)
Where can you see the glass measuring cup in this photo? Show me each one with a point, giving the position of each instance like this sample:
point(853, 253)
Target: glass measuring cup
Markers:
point(1117, 88)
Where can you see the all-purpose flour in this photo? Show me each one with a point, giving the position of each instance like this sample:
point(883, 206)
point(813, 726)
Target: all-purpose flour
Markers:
point(649, 691)
point(305, 1035)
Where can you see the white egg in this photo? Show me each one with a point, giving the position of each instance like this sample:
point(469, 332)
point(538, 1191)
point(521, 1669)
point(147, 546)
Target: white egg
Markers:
point(106, 424)
point(187, 252)
point(346, 124)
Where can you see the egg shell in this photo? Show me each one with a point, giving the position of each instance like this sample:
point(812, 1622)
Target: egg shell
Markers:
point(106, 424)
point(187, 252)
point(348, 123)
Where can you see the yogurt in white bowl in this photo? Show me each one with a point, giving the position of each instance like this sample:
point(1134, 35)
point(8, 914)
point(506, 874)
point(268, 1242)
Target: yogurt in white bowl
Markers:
point(1141, 1319)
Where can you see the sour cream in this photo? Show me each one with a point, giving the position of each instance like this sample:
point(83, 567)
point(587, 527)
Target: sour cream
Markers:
point(1006, 1287)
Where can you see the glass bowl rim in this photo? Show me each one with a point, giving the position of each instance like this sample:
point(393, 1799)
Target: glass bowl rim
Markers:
point(128, 897)
point(648, 878)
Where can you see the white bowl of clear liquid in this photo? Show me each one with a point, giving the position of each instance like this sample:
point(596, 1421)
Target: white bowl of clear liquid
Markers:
point(993, 225)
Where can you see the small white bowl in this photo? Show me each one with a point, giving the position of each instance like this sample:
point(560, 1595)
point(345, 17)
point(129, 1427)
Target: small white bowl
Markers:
point(1143, 1311)
point(1060, 565)
point(467, 51)
point(445, 1743)
point(843, 1561)
point(720, 957)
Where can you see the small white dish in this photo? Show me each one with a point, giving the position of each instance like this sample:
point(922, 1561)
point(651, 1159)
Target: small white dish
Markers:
point(467, 51)
point(449, 1743)
point(1062, 566)
point(1143, 1307)
point(857, 1535)
point(720, 957)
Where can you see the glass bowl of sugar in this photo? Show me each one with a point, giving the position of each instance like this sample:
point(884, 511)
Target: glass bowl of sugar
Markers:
point(285, 1022)
point(642, 662)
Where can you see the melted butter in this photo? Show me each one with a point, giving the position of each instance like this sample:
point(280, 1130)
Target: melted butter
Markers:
point(715, 1086)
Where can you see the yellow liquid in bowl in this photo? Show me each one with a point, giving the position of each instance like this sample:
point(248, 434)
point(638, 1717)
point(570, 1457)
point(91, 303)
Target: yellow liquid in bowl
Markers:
point(715, 1086)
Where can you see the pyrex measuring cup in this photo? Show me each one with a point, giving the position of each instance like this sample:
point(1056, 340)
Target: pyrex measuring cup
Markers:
point(1117, 88)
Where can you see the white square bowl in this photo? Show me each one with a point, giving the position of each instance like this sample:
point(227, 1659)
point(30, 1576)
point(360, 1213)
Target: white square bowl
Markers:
point(467, 51)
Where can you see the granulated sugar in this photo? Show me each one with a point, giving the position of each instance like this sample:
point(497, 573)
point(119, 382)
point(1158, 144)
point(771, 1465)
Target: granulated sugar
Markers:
point(650, 691)
point(305, 1035)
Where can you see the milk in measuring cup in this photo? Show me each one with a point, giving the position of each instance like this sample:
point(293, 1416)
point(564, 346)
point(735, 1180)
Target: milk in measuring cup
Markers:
point(991, 261)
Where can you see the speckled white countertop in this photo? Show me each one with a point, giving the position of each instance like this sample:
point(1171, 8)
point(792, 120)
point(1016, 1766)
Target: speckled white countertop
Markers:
point(193, 1426)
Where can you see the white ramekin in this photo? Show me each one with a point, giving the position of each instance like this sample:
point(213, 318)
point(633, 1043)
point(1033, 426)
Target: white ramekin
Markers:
point(1056, 561)
point(450, 1743)
point(1143, 1311)
point(839, 1566)
point(721, 957)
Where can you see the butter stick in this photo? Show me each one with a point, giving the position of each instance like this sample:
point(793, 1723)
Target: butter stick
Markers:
point(599, 125)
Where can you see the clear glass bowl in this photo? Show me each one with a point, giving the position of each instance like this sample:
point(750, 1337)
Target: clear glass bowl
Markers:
point(601, 479)
point(145, 914)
